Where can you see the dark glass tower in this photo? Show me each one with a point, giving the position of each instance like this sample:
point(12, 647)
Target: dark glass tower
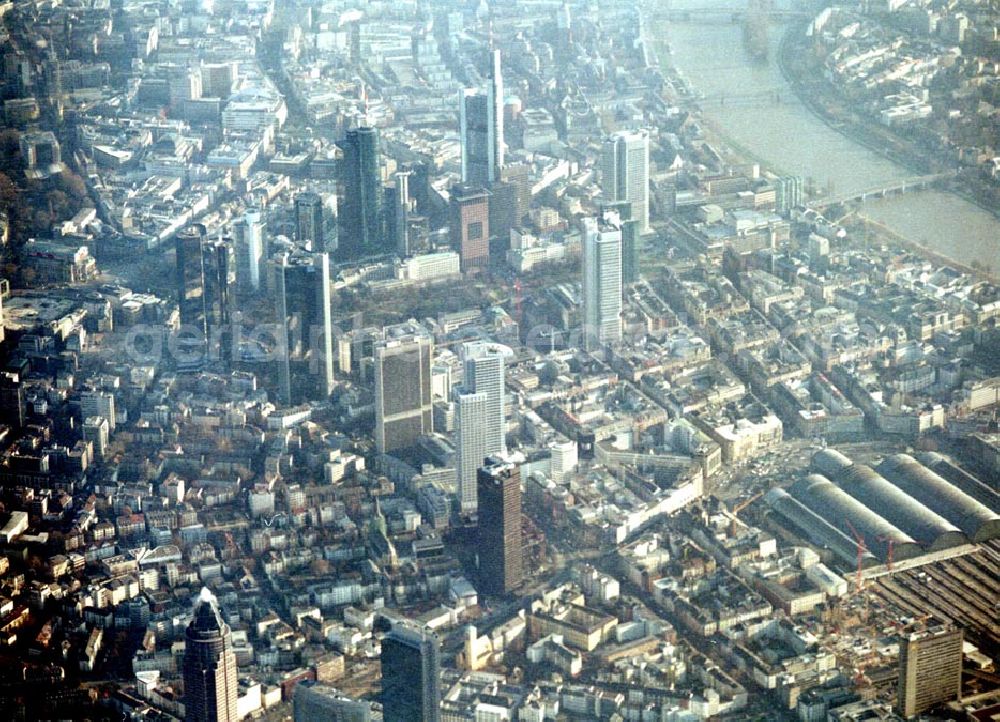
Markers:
point(411, 676)
point(219, 273)
point(309, 220)
point(500, 560)
point(190, 276)
point(210, 688)
point(359, 213)
point(302, 305)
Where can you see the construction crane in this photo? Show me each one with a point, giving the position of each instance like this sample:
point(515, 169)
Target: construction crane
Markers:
point(747, 502)
point(888, 557)
point(862, 549)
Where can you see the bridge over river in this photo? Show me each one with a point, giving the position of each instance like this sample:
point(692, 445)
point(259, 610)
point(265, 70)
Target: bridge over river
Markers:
point(913, 183)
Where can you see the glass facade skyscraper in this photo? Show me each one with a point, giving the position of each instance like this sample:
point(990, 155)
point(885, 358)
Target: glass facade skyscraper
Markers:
point(411, 676)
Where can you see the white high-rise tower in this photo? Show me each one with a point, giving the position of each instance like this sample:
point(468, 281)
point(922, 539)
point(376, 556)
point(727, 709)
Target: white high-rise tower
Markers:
point(480, 414)
point(625, 173)
point(602, 281)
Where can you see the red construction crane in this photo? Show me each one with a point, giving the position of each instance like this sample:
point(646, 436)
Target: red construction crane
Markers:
point(888, 557)
point(862, 549)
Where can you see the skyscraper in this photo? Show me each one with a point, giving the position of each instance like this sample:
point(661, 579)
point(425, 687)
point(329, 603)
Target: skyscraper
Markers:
point(602, 282)
point(481, 129)
point(398, 215)
point(631, 251)
point(219, 274)
point(302, 306)
point(309, 220)
point(210, 690)
point(480, 419)
point(930, 669)
point(359, 212)
point(411, 676)
point(190, 277)
point(499, 548)
point(250, 252)
point(403, 401)
point(470, 226)
point(625, 173)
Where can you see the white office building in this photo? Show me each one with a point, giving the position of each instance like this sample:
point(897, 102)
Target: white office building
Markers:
point(480, 407)
point(602, 282)
point(249, 232)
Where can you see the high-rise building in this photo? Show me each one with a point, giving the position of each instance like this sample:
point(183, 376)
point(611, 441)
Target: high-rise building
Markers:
point(404, 408)
point(499, 548)
point(359, 211)
point(602, 282)
point(219, 274)
point(631, 238)
point(210, 687)
point(480, 407)
point(930, 669)
point(190, 277)
point(473, 445)
point(249, 233)
point(787, 193)
point(94, 402)
point(302, 306)
point(309, 220)
point(411, 675)
point(314, 702)
point(398, 208)
point(631, 251)
point(470, 226)
point(625, 173)
point(481, 129)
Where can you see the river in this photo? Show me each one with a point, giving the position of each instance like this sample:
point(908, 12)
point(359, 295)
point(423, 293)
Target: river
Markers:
point(756, 109)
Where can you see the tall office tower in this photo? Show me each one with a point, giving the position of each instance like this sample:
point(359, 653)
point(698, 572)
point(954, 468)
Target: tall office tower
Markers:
point(314, 702)
point(503, 215)
point(631, 238)
point(481, 129)
point(398, 214)
point(359, 212)
point(602, 282)
point(309, 220)
point(470, 226)
point(499, 548)
point(190, 277)
point(480, 407)
point(625, 173)
point(411, 675)
point(631, 251)
point(473, 445)
point(219, 272)
point(302, 306)
point(930, 669)
point(210, 690)
point(250, 252)
point(788, 193)
point(404, 407)
point(12, 405)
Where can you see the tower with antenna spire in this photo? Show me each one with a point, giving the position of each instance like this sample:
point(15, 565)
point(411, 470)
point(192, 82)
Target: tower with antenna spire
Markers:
point(482, 128)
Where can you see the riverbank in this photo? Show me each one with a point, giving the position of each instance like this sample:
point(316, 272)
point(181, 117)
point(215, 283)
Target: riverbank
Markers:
point(819, 97)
